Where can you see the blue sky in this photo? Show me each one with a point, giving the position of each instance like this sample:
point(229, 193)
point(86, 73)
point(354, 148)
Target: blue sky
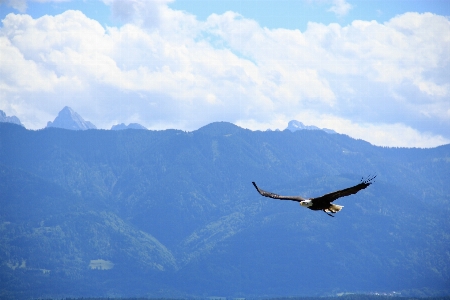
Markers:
point(295, 14)
point(291, 14)
point(375, 70)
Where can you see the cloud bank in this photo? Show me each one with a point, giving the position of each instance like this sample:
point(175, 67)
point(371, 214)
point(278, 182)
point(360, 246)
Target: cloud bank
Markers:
point(385, 83)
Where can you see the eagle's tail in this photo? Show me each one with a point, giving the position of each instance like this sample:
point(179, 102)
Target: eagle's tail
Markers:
point(334, 208)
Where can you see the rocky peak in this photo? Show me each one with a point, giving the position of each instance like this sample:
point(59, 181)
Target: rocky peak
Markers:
point(297, 125)
point(6, 119)
point(69, 119)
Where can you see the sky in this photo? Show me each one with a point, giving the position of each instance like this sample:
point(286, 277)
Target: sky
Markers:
point(373, 70)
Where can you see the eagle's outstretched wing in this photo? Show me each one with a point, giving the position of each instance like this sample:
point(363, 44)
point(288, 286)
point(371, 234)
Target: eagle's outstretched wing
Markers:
point(275, 196)
point(330, 197)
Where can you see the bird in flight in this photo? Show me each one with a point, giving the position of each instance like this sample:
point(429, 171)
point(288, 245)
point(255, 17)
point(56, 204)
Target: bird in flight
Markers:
point(323, 203)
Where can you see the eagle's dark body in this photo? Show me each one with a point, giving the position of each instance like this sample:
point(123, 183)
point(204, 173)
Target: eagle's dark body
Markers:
point(324, 202)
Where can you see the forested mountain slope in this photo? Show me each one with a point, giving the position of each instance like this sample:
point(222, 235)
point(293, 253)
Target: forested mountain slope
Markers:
point(174, 214)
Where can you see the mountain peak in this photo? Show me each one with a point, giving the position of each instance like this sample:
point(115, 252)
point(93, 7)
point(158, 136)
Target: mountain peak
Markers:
point(122, 126)
point(68, 119)
point(219, 128)
point(11, 119)
point(295, 125)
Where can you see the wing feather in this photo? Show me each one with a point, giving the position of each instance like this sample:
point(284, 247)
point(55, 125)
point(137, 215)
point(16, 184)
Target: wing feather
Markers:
point(276, 196)
point(330, 197)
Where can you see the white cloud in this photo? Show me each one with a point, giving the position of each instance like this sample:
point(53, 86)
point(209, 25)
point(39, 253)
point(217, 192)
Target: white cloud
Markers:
point(386, 83)
point(145, 13)
point(19, 74)
point(20, 5)
point(340, 7)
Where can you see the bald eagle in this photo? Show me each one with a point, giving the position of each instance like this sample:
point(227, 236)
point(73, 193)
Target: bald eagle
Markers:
point(322, 203)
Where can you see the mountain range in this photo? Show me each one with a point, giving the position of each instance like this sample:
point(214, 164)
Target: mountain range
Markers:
point(105, 213)
point(69, 119)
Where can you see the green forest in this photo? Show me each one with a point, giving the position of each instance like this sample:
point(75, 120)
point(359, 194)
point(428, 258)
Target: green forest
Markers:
point(173, 214)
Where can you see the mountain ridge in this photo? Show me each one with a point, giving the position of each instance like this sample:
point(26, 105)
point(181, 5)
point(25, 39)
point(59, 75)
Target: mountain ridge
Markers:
point(69, 119)
point(170, 213)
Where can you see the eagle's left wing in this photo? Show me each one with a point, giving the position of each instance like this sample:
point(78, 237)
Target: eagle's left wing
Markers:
point(276, 196)
point(330, 197)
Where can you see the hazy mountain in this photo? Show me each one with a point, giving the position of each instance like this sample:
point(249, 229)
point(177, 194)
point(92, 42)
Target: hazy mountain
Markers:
point(9, 119)
point(68, 119)
point(122, 126)
point(297, 125)
point(174, 214)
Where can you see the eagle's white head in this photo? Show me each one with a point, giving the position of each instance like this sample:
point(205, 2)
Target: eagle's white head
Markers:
point(306, 203)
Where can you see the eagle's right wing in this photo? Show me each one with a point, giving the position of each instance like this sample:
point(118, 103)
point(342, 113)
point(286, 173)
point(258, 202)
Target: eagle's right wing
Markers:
point(275, 196)
point(330, 197)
